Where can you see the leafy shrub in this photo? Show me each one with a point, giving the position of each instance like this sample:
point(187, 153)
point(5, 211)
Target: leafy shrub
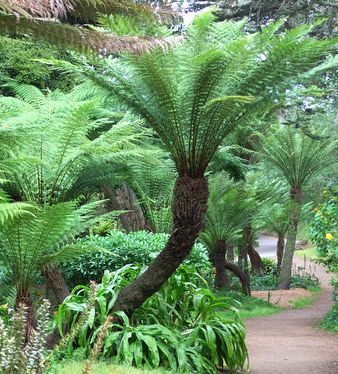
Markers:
point(17, 355)
point(270, 281)
point(178, 328)
point(324, 230)
point(270, 265)
point(17, 62)
point(119, 249)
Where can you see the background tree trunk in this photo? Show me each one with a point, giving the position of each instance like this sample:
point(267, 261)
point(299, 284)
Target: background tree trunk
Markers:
point(56, 283)
point(217, 258)
point(243, 257)
point(257, 266)
point(280, 250)
point(189, 206)
point(243, 277)
point(124, 198)
point(284, 279)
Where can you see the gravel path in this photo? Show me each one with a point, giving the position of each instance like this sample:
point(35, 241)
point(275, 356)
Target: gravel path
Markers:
point(289, 342)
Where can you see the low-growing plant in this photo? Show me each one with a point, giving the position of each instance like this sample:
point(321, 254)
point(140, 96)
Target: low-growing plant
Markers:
point(269, 281)
point(120, 249)
point(17, 355)
point(178, 328)
point(270, 265)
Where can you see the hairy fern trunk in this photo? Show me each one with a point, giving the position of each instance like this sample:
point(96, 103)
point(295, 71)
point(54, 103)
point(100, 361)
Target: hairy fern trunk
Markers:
point(257, 266)
point(217, 258)
point(189, 206)
point(284, 279)
point(56, 283)
point(241, 275)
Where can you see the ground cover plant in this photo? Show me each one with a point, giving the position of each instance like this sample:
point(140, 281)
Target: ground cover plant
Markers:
point(178, 328)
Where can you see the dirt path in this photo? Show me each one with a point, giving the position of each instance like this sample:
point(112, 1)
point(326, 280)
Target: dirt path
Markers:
point(289, 342)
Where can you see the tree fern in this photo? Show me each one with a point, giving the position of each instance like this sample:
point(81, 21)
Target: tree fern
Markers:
point(30, 242)
point(196, 94)
point(54, 159)
point(297, 158)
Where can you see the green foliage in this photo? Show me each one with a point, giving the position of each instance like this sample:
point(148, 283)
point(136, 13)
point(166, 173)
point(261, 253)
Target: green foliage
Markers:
point(120, 249)
point(29, 243)
point(153, 181)
point(330, 321)
point(17, 62)
point(270, 282)
point(53, 148)
point(270, 265)
point(178, 327)
point(18, 356)
point(324, 230)
point(298, 158)
point(229, 210)
point(131, 25)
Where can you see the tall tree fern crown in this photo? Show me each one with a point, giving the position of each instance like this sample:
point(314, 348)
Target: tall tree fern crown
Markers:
point(219, 77)
point(296, 157)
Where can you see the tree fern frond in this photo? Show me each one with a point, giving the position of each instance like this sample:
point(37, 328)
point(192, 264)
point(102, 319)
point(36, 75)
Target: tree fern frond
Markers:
point(80, 38)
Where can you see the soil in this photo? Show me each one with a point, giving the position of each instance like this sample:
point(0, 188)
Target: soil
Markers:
point(282, 298)
point(290, 342)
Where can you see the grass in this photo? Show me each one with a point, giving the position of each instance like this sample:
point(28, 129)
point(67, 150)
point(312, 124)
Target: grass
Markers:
point(304, 302)
point(310, 253)
point(250, 306)
point(73, 367)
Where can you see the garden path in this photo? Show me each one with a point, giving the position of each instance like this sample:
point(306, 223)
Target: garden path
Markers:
point(289, 342)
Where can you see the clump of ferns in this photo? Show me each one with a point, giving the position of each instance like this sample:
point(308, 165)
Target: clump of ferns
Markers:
point(18, 355)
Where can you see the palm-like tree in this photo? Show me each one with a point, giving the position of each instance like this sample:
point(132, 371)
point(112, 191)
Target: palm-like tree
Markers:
point(193, 97)
point(297, 158)
point(55, 152)
point(228, 213)
point(30, 243)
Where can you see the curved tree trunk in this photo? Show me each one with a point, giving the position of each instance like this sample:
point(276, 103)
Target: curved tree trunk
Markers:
point(284, 279)
point(243, 277)
point(257, 266)
point(26, 300)
point(189, 206)
point(280, 250)
point(217, 258)
point(56, 283)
